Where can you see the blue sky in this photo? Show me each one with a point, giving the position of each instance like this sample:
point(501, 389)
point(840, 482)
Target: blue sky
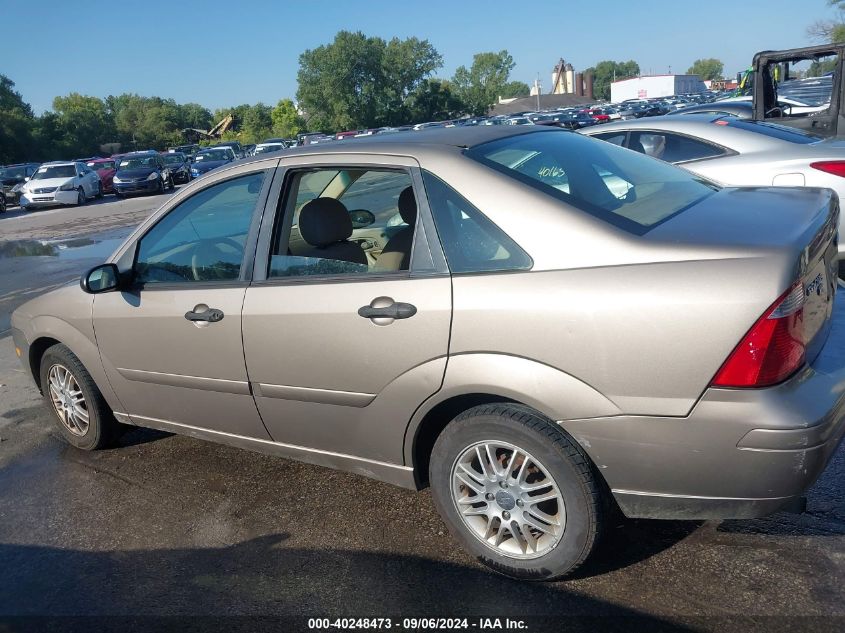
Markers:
point(219, 53)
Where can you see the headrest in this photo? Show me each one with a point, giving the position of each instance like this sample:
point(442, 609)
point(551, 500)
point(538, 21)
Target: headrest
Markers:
point(408, 206)
point(324, 221)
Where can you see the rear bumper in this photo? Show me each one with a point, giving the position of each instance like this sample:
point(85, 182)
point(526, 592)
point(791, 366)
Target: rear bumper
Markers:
point(739, 453)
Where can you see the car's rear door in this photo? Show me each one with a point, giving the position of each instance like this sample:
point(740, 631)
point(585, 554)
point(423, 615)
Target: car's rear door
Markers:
point(328, 373)
point(171, 344)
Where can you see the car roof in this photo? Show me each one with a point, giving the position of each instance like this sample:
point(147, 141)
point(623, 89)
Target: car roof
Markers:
point(411, 143)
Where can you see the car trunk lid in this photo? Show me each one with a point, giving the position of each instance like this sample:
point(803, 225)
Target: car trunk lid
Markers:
point(752, 221)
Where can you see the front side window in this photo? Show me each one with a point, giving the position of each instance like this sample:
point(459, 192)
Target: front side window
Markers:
point(472, 243)
point(350, 221)
point(629, 191)
point(617, 138)
point(203, 238)
point(673, 148)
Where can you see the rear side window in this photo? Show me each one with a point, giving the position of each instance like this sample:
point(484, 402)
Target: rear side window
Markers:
point(626, 189)
point(617, 138)
point(673, 148)
point(472, 243)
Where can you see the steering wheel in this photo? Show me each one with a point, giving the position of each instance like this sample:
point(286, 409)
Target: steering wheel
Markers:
point(207, 253)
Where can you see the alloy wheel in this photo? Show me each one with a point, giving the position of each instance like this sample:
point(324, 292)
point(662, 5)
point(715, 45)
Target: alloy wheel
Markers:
point(507, 499)
point(68, 400)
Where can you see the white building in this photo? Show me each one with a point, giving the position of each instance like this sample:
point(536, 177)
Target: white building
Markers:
point(648, 86)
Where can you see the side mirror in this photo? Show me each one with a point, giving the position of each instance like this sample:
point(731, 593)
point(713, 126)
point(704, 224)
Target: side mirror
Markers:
point(102, 278)
point(26, 179)
point(361, 218)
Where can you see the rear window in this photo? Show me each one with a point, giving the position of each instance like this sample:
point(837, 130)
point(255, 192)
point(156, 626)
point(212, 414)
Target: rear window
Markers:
point(624, 188)
point(780, 132)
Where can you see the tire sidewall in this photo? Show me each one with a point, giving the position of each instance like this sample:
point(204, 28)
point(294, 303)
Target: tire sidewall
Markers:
point(579, 530)
point(67, 359)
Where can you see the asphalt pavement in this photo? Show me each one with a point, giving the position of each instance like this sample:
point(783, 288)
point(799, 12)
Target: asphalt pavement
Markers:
point(171, 526)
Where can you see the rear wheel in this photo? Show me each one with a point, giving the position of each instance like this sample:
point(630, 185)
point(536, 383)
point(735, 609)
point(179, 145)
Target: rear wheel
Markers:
point(516, 492)
point(79, 409)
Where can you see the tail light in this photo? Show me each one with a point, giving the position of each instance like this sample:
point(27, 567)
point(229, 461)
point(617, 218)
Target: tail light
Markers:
point(835, 167)
point(773, 349)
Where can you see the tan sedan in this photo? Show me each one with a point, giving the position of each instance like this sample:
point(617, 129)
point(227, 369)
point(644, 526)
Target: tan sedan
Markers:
point(537, 324)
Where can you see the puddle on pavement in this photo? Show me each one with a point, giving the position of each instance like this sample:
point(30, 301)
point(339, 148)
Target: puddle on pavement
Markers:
point(94, 247)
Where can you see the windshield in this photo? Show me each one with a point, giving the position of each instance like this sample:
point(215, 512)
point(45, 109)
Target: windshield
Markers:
point(141, 162)
point(55, 171)
point(621, 187)
point(13, 172)
point(218, 154)
point(263, 149)
point(105, 165)
point(174, 158)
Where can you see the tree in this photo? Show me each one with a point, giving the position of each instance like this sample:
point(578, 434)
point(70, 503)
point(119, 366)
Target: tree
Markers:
point(362, 82)
point(286, 120)
point(84, 124)
point(830, 31)
point(257, 123)
point(480, 86)
point(433, 100)
point(16, 124)
point(606, 72)
point(709, 69)
point(515, 89)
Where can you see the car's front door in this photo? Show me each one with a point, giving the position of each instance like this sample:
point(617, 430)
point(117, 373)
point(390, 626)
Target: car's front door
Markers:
point(346, 326)
point(171, 344)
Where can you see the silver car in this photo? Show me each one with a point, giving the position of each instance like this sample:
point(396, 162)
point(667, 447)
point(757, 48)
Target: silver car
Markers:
point(736, 152)
point(538, 325)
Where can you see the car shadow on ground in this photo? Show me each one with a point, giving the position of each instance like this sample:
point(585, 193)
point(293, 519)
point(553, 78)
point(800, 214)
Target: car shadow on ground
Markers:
point(264, 576)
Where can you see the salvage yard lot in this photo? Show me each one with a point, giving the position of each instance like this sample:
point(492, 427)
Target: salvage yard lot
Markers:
point(171, 525)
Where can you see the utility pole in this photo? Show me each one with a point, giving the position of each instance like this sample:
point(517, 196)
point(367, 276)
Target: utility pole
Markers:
point(537, 90)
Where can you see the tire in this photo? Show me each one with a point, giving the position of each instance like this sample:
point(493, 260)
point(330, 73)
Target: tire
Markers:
point(99, 194)
point(550, 462)
point(161, 187)
point(101, 428)
point(80, 197)
point(2, 202)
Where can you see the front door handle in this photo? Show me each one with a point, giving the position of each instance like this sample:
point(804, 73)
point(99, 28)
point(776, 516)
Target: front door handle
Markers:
point(210, 315)
point(384, 310)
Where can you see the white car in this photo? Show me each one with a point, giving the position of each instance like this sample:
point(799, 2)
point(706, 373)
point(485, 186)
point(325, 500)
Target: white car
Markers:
point(795, 106)
point(60, 183)
point(266, 148)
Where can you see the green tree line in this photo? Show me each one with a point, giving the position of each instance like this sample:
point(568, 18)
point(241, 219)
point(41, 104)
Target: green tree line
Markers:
point(353, 82)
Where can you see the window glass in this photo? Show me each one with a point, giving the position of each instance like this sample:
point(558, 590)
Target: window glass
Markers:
point(202, 239)
point(615, 185)
point(772, 130)
point(673, 148)
point(345, 222)
point(472, 243)
point(617, 138)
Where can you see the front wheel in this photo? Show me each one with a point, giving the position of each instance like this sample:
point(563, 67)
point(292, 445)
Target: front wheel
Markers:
point(516, 492)
point(99, 194)
point(79, 409)
point(80, 197)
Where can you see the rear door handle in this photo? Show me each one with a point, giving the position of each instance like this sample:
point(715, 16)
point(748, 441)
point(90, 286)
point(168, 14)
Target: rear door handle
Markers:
point(383, 310)
point(211, 315)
